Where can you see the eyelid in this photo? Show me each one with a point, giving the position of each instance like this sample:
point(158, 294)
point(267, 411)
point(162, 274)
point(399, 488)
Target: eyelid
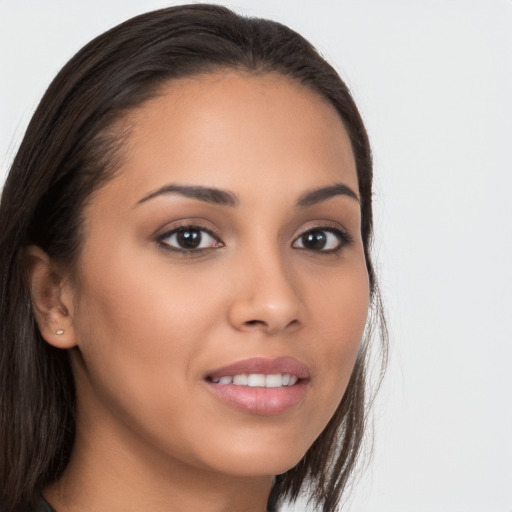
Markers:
point(345, 238)
point(187, 224)
point(340, 232)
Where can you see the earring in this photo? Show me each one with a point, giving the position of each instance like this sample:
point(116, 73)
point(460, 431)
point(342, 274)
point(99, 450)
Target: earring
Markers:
point(59, 331)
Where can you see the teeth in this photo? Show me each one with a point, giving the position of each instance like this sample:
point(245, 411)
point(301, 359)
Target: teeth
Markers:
point(256, 380)
point(274, 381)
point(240, 380)
point(259, 380)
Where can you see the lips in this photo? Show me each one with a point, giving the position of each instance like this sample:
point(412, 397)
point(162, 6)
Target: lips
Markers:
point(260, 386)
point(261, 365)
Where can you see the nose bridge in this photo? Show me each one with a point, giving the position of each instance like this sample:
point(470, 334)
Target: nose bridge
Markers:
point(267, 295)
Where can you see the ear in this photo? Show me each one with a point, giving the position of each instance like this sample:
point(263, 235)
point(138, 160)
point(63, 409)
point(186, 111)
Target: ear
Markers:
point(51, 298)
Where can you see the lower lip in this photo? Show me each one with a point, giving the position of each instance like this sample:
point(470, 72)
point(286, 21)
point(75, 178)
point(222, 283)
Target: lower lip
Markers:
point(259, 400)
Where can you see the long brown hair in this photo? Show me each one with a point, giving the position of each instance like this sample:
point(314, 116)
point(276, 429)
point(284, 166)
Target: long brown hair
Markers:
point(70, 148)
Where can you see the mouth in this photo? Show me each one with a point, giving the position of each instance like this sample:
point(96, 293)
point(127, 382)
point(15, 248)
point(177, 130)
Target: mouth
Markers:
point(253, 380)
point(261, 386)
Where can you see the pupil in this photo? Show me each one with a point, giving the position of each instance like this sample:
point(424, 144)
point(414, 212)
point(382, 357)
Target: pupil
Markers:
point(189, 238)
point(314, 240)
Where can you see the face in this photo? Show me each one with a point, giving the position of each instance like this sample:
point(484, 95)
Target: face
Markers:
point(223, 289)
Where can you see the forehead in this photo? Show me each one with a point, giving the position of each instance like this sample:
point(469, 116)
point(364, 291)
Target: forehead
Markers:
point(254, 134)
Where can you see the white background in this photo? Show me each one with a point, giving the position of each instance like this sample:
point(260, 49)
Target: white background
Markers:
point(433, 80)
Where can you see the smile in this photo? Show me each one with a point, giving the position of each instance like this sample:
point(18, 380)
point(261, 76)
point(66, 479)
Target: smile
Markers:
point(261, 386)
point(253, 380)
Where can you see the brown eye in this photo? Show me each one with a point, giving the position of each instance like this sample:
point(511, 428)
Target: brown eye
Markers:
point(322, 240)
point(189, 238)
point(315, 240)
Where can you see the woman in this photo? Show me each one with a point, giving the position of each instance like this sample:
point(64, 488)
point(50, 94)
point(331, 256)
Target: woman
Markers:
point(186, 275)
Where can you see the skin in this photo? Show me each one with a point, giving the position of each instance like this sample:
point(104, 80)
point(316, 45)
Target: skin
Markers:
point(145, 324)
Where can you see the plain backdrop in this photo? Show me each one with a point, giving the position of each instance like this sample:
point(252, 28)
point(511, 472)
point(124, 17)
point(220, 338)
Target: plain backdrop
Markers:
point(433, 80)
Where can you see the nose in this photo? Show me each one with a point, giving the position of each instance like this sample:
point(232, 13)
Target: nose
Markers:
point(266, 297)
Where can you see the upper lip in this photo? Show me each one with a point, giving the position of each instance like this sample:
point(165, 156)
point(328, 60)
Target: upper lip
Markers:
point(265, 366)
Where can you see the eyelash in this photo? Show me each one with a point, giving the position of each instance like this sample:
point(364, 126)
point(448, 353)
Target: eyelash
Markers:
point(344, 239)
point(187, 227)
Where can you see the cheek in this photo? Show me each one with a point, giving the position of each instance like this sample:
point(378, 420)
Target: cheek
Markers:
point(140, 333)
point(340, 315)
point(140, 306)
point(340, 306)
point(138, 328)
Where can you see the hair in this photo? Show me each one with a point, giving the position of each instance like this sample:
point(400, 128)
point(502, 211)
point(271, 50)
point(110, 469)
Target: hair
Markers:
point(71, 147)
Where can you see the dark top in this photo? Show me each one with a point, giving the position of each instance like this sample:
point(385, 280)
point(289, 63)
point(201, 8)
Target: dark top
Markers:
point(44, 506)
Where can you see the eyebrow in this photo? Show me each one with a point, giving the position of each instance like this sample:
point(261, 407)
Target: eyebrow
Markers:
point(226, 198)
point(206, 194)
point(322, 194)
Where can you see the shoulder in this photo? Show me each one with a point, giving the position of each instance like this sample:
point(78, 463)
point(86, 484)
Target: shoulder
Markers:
point(43, 506)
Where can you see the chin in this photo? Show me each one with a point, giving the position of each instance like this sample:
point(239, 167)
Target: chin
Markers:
point(272, 457)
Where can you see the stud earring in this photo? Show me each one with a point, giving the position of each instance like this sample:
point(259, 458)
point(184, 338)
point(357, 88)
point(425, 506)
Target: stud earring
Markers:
point(59, 331)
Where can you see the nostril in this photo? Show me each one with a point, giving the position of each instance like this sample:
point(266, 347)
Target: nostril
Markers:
point(293, 323)
point(255, 322)
point(256, 325)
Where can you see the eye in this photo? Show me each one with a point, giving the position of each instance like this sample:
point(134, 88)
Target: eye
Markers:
point(323, 239)
point(189, 238)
